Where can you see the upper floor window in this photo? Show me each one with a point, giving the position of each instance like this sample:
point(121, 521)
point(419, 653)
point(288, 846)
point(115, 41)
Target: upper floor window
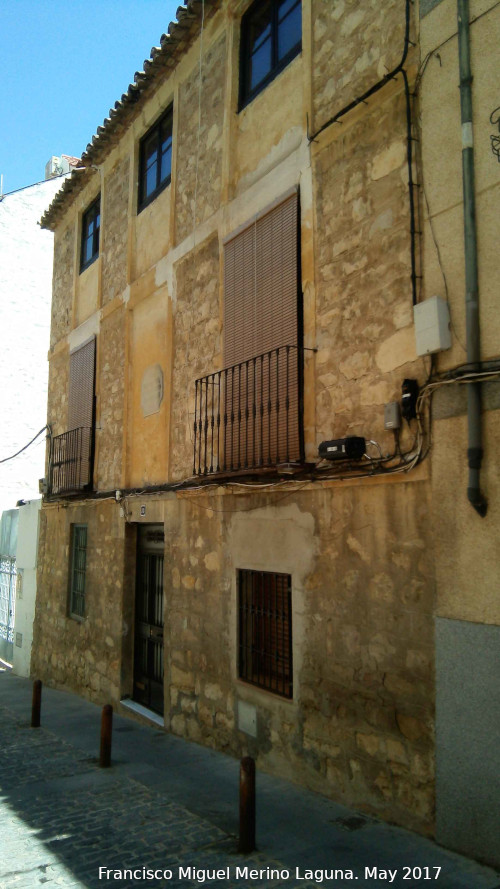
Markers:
point(91, 224)
point(155, 160)
point(271, 36)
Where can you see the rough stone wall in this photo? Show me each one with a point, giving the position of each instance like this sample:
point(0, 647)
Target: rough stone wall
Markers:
point(198, 634)
point(364, 319)
point(83, 656)
point(111, 395)
point(354, 45)
point(115, 231)
point(367, 704)
point(196, 344)
point(57, 411)
point(200, 136)
point(62, 285)
point(360, 727)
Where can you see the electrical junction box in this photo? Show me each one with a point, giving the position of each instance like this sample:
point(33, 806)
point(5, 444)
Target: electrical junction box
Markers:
point(392, 415)
point(432, 325)
point(351, 448)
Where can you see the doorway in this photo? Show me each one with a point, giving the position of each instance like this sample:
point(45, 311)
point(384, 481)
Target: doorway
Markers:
point(148, 649)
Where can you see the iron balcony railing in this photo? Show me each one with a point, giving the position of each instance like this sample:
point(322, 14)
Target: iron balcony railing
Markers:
point(250, 415)
point(71, 461)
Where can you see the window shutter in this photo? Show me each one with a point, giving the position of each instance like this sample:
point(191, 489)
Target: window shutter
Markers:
point(81, 414)
point(261, 285)
point(81, 386)
point(261, 290)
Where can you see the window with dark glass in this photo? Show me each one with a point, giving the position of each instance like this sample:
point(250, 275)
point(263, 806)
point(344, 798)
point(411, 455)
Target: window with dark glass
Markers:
point(271, 36)
point(265, 630)
point(91, 224)
point(78, 570)
point(155, 160)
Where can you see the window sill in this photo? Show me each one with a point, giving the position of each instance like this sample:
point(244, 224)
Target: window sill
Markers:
point(259, 691)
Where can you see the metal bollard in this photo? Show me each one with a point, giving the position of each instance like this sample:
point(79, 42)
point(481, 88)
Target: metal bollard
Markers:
point(247, 805)
point(106, 734)
point(36, 703)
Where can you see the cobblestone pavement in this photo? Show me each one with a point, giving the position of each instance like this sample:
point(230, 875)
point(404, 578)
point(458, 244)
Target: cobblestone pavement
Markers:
point(169, 806)
point(62, 818)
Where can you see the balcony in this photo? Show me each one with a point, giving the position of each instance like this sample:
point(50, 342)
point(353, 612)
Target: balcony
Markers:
point(250, 416)
point(71, 461)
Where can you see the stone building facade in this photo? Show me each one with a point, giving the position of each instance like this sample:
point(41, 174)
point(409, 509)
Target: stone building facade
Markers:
point(263, 237)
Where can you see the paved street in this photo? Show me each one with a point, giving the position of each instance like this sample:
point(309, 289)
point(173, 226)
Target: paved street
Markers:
point(171, 807)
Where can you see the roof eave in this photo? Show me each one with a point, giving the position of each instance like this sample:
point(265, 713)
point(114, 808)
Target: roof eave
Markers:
point(162, 58)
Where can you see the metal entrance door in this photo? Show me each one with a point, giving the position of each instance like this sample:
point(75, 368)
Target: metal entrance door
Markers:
point(7, 607)
point(148, 656)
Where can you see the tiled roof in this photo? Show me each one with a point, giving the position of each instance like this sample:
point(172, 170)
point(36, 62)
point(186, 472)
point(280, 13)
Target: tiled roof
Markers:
point(72, 161)
point(164, 57)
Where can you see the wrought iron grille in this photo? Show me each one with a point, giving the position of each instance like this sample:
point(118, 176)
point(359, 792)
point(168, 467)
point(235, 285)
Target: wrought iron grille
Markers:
point(78, 570)
point(249, 415)
point(265, 630)
point(71, 459)
point(8, 572)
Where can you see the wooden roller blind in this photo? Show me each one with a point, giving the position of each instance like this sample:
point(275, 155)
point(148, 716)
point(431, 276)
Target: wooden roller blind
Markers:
point(81, 386)
point(261, 284)
point(79, 444)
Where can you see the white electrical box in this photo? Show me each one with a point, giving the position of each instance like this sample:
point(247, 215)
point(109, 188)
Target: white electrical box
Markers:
point(432, 325)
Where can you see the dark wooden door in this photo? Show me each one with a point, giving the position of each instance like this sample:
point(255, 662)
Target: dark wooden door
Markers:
point(148, 656)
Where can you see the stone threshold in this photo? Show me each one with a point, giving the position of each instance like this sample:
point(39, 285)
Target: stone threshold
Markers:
point(143, 711)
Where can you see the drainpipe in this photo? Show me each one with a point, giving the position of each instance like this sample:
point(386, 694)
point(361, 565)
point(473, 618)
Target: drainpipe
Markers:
point(475, 444)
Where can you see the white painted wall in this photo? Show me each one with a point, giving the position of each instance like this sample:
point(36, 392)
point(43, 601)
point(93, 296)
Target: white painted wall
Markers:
point(26, 255)
point(27, 544)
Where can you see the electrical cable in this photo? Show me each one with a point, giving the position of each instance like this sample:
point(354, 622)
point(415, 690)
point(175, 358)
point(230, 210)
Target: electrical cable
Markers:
point(25, 446)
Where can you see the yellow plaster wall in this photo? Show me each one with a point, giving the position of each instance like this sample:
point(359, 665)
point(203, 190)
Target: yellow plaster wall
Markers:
point(151, 233)
point(277, 115)
point(87, 292)
point(148, 438)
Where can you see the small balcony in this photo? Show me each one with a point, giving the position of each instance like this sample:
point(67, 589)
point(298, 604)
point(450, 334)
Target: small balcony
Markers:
point(250, 416)
point(71, 461)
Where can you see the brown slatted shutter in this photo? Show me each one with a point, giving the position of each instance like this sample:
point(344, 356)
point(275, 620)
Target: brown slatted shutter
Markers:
point(81, 386)
point(81, 411)
point(260, 316)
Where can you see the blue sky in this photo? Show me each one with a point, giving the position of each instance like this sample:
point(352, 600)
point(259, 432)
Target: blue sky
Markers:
point(63, 64)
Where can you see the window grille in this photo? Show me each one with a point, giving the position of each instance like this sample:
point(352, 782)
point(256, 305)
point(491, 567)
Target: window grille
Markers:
point(265, 630)
point(78, 570)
